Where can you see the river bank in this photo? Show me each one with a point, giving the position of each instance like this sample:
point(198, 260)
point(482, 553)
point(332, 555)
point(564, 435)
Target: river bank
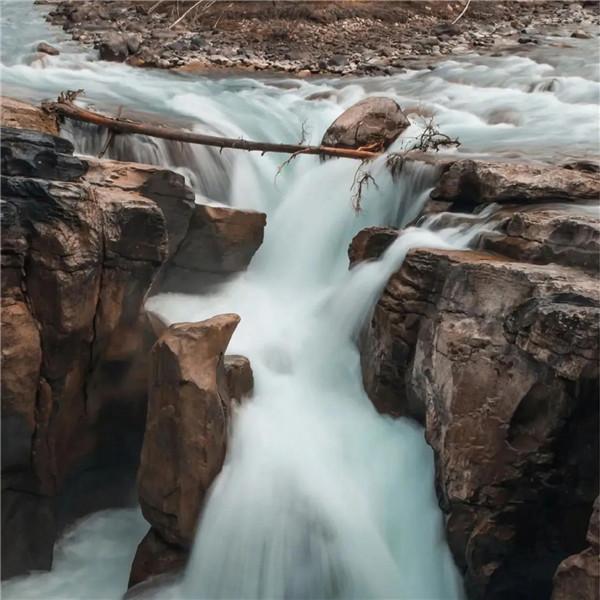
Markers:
point(312, 38)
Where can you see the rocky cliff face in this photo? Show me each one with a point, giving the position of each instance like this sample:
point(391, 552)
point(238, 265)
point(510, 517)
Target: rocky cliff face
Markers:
point(497, 355)
point(83, 242)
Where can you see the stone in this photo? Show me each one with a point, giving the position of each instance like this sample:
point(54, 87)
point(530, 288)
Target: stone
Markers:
point(578, 576)
point(29, 154)
point(77, 262)
point(371, 243)
point(547, 235)
point(114, 47)
point(187, 424)
point(167, 188)
point(471, 182)
point(506, 385)
point(239, 377)
point(22, 115)
point(219, 241)
point(374, 121)
point(580, 34)
point(155, 557)
point(46, 48)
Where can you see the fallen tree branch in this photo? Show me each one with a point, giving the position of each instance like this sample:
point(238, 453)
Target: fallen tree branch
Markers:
point(66, 108)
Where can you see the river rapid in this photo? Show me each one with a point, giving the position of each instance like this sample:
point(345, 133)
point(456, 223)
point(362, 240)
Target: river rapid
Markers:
point(320, 496)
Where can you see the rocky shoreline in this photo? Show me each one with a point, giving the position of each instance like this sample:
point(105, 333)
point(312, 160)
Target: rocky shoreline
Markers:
point(312, 38)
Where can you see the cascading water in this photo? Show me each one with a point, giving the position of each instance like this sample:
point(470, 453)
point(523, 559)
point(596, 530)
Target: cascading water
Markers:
point(320, 496)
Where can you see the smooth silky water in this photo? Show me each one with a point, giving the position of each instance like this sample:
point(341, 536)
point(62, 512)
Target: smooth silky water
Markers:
point(320, 496)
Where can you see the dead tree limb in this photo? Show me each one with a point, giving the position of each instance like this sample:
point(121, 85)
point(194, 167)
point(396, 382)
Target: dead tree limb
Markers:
point(66, 108)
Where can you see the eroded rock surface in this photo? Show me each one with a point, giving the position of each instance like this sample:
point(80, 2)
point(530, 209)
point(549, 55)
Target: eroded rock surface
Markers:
point(374, 121)
point(192, 390)
point(499, 360)
point(470, 182)
point(22, 115)
point(219, 241)
point(77, 263)
point(578, 576)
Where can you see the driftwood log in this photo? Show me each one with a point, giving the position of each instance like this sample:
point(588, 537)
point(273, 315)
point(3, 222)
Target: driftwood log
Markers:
point(65, 107)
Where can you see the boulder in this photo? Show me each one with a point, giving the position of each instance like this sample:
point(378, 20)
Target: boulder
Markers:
point(578, 576)
point(187, 425)
point(166, 188)
point(375, 121)
point(239, 377)
point(219, 242)
point(499, 360)
point(21, 115)
point(470, 182)
point(46, 48)
point(371, 243)
point(114, 47)
point(155, 557)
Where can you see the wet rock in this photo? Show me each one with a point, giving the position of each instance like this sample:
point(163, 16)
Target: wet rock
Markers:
point(469, 182)
point(239, 377)
point(220, 241)
point(371, 243)
point(26, 153)
point(547, 235)
point(474, 346)
point(48, 49)
point(155, 557)
point(373, 121)
point(580, 34)
point(578, 576)
point(77, 262)
point(22, 115)
point(114, 47)
point(187, 424)
point(166, 188)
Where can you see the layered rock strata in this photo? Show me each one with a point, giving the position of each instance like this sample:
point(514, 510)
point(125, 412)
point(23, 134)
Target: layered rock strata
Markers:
point(495, 351)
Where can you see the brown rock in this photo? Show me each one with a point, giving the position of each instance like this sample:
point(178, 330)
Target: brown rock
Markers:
point(113, 47)
point(471, 182)
point(166, 188)
point(371, 243)
point(46, 48)
point(240, 380)
point(547, 235)
point(21, 115)
point(516, 473)
point(77, 263)
point(154, 557)
point(578, 576)
point(372, 121)
point(187, 424)
point(220, 241)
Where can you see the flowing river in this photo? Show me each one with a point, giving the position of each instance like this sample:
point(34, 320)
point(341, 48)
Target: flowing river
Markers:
point(320, 496)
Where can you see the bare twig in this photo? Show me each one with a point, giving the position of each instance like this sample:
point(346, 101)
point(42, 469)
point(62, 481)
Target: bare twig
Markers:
point(185, 14)
point(464, 10)
point(111, 135)
point(304, 133)
point(155, 6)
point(286, 162)
point(362, 179)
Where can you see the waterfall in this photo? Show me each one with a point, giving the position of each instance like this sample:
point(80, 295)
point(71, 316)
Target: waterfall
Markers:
point(320, 496)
